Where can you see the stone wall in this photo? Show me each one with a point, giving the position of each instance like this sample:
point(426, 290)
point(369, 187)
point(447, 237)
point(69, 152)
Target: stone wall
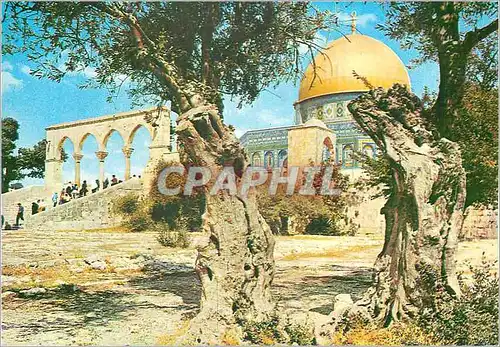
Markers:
point(94, 211)
point(480, 223)
point(364, 212)
point(25, 196)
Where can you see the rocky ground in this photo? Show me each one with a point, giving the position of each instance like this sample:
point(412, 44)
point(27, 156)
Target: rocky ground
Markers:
point(81, 288)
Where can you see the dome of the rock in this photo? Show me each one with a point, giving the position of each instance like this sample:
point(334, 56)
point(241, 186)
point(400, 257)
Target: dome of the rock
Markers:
point(335, 67)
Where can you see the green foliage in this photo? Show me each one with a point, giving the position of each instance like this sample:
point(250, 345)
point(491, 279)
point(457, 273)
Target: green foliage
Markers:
point(28, 162)
point(415, 25)
point(137, 222)
point(277, 330)
point(172, 217)
point(178, 238)
point(378, 173)
point(10, 135)
point(470, 320)
point(211, 48)
point(476, 130)
point(127, 204)
point(32, 160)
point(279, 208)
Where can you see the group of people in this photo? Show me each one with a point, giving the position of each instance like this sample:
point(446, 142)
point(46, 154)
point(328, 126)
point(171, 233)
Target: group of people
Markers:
point(70, 192)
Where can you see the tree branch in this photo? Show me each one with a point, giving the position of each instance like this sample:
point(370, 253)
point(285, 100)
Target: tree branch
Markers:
point(147, 50)
point(472, 38)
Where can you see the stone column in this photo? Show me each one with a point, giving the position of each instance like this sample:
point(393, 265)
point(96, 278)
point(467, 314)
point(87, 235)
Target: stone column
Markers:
point(127, 151)
point(53, 175)
point(78, 158)
point(101, 155)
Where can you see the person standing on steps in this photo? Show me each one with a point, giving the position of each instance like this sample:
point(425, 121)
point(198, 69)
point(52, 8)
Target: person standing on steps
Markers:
point(97, 185)
point(34, 208)
point(20, 213)
point(114, 180)
point(105, 184)
point(84, 190)
point(55, 199)
point(69, 188)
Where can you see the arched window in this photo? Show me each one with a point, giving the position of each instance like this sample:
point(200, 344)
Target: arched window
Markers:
point(269, 159)
point(282, 156)
point(327, 151)
point(347, 153)
point(369, 151)
point(256, 159)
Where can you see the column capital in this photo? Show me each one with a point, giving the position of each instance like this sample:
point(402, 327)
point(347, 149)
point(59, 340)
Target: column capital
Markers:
point(127, 151)
point(77, 156)
point(101, 155)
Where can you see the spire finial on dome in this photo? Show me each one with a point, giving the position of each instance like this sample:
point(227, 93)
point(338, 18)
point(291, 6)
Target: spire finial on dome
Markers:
point(353, 22)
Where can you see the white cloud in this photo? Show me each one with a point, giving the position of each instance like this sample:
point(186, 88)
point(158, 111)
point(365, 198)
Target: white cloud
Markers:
point(6, 66)
point(9, 82)
point(25, 70)
point(319, 40)
point(362, 20)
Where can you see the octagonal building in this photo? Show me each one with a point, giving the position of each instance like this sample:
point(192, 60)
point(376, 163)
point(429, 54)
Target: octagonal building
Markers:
point(325, 90)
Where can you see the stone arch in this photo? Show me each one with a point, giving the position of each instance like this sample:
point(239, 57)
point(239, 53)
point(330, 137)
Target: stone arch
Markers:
point(347, 154)
point(60, 146)
point(257, 159)
point(130, 138)
point(108, 135)
point(327, 149)
point(269, 159)
point(369, 150)
point(283, 158)
point(84, 138)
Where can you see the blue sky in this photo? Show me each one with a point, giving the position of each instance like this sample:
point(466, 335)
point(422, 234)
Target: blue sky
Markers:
point(37, 104)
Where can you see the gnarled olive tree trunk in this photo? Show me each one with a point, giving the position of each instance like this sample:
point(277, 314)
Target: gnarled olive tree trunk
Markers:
point(424, 211)
point(236, 268)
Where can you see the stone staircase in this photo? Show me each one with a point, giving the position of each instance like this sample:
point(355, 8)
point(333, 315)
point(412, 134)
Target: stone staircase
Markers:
point(94, 211)
point(25, 196)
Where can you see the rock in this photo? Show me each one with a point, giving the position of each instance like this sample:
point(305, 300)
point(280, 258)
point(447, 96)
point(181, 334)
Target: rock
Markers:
point(341, 304)
point(6, 280)
point(98, 265)
point(76, 269)
point(8, 295)
point(91, 315)
point(92, 259)
point(59, 282)
point(33, 291)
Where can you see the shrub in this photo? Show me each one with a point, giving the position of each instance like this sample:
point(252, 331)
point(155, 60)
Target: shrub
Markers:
point(473, 318)
point(137, 222)
point(126, 204)
point(277, 330)
point(396, 335)
point(170, 238)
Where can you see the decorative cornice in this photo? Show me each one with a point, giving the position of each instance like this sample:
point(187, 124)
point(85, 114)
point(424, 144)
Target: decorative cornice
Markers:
point(105, 118)
point(77, 156)
point(127, 151)
point(101, 155)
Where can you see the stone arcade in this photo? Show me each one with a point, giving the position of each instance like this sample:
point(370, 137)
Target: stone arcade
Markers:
point(126, 124)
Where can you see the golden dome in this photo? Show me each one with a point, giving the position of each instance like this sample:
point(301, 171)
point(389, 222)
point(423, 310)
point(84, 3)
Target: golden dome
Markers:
point(366, 56)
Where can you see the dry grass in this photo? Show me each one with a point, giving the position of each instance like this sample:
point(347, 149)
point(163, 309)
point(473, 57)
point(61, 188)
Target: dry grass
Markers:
point(338, 253)
point(396, 335)
point(170, 339)
point(51, 276)
point(116, 229)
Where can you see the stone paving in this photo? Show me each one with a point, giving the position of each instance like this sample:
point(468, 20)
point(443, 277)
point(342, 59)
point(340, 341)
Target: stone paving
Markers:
point(80, 288)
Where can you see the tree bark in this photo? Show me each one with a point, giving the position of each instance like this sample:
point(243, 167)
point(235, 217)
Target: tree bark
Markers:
point(236, 268)
point(424, 211)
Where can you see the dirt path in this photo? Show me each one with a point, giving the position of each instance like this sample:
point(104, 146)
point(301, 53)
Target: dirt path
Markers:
point(130, 290)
